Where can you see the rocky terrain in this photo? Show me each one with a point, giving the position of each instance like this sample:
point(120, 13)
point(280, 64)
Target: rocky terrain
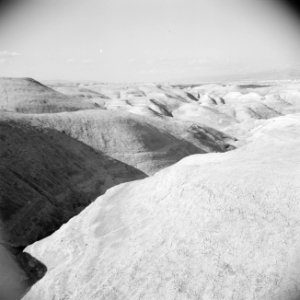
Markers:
point(63, 144)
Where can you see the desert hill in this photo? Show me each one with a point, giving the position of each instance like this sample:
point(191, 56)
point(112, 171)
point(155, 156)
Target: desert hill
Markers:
point(27, 95)
point(48, 177)
point(54, 164)
point(145, 143)
point(213, 226)
point(221, 106)
point(63, 144)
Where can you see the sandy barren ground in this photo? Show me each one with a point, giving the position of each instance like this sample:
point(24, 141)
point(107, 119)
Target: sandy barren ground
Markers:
point(65, 143)
point(222, 106)
point(213, 226)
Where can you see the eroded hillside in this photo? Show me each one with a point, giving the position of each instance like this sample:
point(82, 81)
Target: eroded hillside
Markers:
point(146, 143)
point(62, 144)
point(213, 226)
point(48, 177)
point(26, 95)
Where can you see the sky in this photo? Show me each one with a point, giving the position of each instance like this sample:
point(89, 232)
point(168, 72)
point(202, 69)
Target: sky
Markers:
point(149, 40)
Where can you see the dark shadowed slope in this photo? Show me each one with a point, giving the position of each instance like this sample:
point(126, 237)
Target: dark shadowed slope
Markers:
point(214, 226)
point(148, 144)
point(47, 177)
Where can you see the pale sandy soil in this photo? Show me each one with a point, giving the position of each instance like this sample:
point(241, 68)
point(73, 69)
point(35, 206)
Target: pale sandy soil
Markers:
point(173, 235)
point(213, 226)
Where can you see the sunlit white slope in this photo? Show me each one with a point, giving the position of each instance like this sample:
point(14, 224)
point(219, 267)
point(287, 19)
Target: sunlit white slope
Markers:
point(213, 226)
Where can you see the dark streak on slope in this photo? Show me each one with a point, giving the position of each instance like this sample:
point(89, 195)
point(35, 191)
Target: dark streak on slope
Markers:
point(191, 96)
point(162, 108)
point(47, 177)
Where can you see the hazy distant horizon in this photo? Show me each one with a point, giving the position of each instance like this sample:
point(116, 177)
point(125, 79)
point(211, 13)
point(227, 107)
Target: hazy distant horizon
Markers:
point(149, 41)
point(229, 79)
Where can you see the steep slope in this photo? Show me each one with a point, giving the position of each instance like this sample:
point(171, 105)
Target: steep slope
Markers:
point(47, 177)
point(26, 95)
point(148, 144)
point(213, 226)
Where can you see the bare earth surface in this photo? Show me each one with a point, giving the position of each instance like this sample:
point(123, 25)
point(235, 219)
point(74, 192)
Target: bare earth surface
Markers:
point(47, 177)
point(213, 226)
point(146, 143)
